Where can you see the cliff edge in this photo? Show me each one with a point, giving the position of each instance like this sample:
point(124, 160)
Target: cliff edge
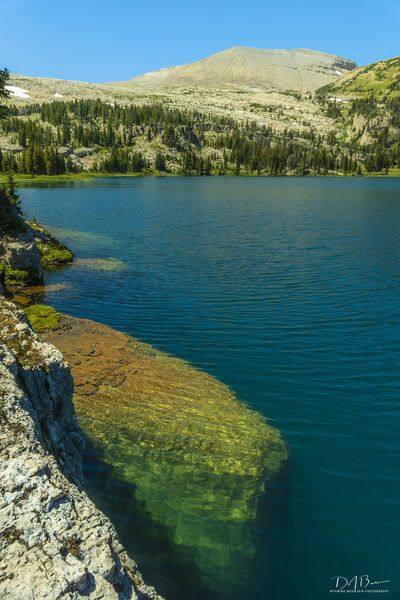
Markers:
point(54, 542)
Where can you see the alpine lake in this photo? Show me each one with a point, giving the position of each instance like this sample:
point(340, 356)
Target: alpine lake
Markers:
point(245, 443)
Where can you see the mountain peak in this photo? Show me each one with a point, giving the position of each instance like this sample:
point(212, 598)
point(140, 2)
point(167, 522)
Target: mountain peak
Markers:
point(297, 69)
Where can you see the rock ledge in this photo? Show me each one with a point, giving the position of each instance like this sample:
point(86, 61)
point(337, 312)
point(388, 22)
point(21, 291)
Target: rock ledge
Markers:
point(54, 542)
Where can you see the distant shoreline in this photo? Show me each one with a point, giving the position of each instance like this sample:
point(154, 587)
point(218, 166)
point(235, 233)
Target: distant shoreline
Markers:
point(28, 179)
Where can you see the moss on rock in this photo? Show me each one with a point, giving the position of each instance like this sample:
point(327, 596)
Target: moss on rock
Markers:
point(17, 336)
point(43, 318)
point(52, 251)
point(12, 279)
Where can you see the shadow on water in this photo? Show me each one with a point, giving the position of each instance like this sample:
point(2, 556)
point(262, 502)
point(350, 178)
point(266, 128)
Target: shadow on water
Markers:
point(170, 571)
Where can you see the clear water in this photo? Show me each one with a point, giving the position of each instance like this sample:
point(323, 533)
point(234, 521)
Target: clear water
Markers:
point(288, 290)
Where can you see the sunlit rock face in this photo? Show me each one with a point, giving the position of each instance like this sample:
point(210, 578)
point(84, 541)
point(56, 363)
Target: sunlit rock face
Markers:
point(199, 458)
point(54, 543)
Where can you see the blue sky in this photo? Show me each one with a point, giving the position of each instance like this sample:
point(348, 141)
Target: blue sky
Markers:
point(94, 40)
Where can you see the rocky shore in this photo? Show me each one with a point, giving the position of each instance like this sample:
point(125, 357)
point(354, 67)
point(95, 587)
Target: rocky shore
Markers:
point(24, 252)
point(54, 542)
point(194, 454)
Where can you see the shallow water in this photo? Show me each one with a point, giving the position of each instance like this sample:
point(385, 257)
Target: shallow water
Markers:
point(195, 459)
point(287, 290)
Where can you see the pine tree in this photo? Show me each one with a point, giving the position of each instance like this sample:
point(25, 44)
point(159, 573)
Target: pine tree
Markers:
point(10, 209)
point(160, 162)
point(11, 191)
point(4, 93)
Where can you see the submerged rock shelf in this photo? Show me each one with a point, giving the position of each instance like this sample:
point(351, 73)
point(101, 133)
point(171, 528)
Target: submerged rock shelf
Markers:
point(198, 457)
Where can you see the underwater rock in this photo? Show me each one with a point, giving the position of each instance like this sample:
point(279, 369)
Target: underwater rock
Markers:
point(100, 264)
point(198, 457)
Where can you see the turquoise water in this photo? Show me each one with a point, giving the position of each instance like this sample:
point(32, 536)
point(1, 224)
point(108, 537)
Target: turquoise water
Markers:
point(288, 290)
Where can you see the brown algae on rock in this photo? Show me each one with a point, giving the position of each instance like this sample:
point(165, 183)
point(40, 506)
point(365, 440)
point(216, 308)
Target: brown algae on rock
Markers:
point(198, 457)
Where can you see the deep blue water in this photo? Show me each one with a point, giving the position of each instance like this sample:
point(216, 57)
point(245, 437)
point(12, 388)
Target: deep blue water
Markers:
point(288, 290)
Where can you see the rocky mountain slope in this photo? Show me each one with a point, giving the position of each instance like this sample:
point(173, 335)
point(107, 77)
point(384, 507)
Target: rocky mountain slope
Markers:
point(25, 89)
point(268, 87)
point(298, 70)
point(365, 106)
point(240, 111)
point(380, 79)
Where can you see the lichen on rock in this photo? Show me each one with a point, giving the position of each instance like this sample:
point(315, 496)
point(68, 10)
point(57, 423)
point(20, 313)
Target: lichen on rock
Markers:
point(54, 543)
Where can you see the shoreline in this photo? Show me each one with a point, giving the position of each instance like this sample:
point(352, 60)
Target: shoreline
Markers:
point(26, 180)
point(54, 539)
point(191, 452)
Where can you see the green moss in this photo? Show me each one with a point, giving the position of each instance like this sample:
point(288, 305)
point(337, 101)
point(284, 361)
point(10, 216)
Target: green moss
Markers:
point(42, 318)
point(12, 279)
point(52, 251)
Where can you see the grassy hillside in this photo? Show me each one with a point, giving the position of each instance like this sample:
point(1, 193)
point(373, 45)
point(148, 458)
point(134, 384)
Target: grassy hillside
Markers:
point(366, 107)
point(380, 79)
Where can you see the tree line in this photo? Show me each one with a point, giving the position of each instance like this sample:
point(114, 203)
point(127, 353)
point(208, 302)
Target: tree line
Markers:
point(159, 138)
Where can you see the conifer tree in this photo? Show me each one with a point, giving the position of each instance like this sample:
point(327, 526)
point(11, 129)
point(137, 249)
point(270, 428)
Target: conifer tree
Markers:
point(160, 162)
point(4, 93)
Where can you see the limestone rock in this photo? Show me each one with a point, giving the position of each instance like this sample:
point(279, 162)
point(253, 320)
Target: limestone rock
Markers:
point(20, 252)
point(54, 543)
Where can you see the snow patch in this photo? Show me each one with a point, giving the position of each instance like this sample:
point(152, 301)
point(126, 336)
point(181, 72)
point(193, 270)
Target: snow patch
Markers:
point(338, 100)
point(17, 92)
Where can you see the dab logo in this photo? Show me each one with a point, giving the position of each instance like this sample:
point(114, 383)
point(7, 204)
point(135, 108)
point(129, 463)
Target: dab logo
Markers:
point(358, 584)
